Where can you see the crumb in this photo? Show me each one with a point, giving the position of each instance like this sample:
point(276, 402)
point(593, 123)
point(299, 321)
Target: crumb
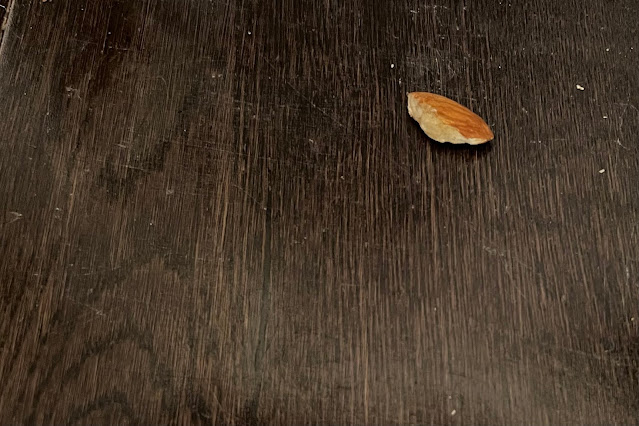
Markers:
point(579, 87)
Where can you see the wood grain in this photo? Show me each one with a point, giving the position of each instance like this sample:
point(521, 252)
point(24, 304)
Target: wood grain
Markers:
point(5, 8)
point(220, 212)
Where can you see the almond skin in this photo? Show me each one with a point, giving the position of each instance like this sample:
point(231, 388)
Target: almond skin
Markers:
point(444, 120)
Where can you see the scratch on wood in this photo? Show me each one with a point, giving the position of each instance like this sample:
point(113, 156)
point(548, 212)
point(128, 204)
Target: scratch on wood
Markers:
point(265, 305)
point(5, 19)
point(96, 311)
point(304, 97)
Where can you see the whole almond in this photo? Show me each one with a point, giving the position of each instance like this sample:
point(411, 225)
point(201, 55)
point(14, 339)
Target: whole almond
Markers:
point(444, 120)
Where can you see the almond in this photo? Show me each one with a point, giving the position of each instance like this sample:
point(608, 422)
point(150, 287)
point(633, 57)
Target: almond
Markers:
point(444, 120)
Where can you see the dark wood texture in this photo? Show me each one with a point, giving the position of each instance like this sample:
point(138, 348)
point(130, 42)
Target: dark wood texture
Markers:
point(219, 211)
point(4, 7)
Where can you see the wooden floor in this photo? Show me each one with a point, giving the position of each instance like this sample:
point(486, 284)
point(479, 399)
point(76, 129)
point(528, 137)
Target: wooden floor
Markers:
point(220, 212)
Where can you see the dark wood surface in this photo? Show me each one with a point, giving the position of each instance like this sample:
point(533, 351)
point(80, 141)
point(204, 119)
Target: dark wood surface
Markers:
point(219, 211)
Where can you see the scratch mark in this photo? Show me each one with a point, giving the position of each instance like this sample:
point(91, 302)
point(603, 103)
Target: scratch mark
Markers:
point(166, 86)
point(127, 166)
point(96, 311)
point(14, 216)
point(618, 142)
point(304, 97)
point(265, 308)
point(4, 24)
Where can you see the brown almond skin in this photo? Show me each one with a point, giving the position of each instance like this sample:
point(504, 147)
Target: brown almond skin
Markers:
point(445, 120)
